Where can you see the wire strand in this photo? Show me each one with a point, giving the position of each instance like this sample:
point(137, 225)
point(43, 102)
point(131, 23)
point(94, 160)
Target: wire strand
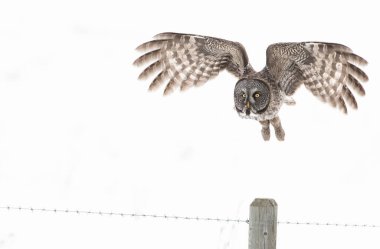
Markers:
point(121, 214)
point(175, 217)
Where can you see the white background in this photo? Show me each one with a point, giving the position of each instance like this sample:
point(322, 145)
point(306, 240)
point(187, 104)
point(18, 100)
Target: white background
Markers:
point(77, 130)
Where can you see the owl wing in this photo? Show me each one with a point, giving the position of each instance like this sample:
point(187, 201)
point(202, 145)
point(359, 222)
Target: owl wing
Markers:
point(330, 71)
point(184, 60)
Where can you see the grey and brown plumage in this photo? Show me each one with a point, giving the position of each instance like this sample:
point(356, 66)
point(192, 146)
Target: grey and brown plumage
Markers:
point(330, 71)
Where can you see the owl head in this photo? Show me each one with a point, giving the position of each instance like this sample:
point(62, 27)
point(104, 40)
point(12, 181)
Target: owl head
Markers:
point(252, 97)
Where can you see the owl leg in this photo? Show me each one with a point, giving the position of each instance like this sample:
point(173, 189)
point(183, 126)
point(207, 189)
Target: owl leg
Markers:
point(276, 123)
point(265, 132)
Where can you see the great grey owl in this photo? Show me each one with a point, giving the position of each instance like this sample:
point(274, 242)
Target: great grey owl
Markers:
point(328, 70)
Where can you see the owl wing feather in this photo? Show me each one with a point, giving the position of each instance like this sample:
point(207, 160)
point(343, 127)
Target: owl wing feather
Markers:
point(330, 71)
point(185, 60)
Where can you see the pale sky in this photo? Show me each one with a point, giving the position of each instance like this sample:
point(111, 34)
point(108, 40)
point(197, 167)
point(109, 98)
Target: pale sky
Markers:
point(79, 131)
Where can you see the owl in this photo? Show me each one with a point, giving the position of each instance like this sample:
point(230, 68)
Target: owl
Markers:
point(328, 70)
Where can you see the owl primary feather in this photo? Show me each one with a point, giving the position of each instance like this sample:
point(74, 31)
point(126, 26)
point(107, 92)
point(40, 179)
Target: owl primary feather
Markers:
point(330, 71)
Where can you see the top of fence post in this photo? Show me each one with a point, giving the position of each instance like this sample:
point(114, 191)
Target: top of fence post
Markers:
point(262, 224)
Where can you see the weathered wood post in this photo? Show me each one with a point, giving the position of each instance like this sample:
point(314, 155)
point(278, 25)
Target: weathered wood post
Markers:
point(262, 224)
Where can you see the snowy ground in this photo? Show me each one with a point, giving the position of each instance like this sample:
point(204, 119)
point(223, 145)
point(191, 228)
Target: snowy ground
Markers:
point(78, 131)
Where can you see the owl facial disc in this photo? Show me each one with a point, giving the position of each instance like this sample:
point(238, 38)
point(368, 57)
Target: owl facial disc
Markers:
point(251, 97)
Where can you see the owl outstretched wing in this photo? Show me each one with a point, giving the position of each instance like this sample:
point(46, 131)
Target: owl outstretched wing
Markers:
point(330, 71)
point(185, 60)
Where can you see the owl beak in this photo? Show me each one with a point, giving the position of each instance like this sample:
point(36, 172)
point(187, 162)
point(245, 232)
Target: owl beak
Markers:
point(247, 105)
point(247, 108)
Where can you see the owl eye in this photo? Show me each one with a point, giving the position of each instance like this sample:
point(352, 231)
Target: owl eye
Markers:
point(256, 95)
point(244, 95)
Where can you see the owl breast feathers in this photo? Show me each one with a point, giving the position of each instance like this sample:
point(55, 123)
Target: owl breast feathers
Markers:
point(328, 70)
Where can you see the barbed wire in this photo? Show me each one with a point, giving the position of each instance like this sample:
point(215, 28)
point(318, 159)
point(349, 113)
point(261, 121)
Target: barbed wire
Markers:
point(331, 224)
point(120, 214)
point(175, 217)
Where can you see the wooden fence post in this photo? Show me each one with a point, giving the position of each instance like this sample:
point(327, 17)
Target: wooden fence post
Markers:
point(262, 224)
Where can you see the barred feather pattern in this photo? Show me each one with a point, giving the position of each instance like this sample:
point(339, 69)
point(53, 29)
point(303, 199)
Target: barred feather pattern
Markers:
point(330, 71)
point(185, 60)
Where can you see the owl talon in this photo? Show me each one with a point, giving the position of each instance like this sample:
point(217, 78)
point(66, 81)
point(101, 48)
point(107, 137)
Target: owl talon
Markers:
point(265, 132)
point(280, 134)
